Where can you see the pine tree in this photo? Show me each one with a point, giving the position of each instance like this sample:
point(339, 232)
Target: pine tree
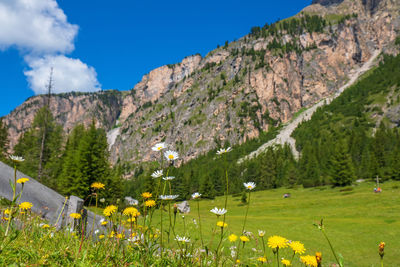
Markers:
point(86, 161)
point(342, 170)
point(92, 161)
point(42, 158)
point(3, 140)
point(309, 173)
point(207, 188)
point(268, 170)
point(70, 171)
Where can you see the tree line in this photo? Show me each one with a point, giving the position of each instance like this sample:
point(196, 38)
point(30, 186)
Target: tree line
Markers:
point(341, 143)
point(69, 163)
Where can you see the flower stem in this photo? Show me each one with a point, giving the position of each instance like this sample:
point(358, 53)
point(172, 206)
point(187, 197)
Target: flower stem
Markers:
point(62, 209)
point(277, 256)
point(161, 222)
point(244, 225)
point(198, 213)
point(13, 199)
point(94, 217)
point(333, 251)
point(170, 219)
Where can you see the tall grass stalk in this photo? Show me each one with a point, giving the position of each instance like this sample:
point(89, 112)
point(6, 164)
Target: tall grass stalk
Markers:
point(14, 189)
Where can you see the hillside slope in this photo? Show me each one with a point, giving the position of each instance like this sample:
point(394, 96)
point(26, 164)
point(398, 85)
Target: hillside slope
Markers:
point(236, 91)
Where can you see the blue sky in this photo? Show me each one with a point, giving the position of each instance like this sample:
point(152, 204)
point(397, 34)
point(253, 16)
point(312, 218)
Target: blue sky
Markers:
point(119, 41)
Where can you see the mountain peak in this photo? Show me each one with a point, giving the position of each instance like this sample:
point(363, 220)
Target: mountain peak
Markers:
point(326, 2)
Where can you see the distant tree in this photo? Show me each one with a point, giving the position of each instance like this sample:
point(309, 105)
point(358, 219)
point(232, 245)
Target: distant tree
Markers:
point(42, 158)
point(309, 172)
point(226, 44)
point(86, 161)
point(243, 199)
point(207, 188)
point(70, 172)
point(3, 140)
point(342, 170)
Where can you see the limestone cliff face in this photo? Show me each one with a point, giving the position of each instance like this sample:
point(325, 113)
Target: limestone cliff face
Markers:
point(68, 109)
point(326, 2)
point(236, 91)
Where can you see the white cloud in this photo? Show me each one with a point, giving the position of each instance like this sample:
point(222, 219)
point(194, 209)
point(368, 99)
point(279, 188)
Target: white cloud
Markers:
point(38, 26)
point(68, 74)
point(39, 29)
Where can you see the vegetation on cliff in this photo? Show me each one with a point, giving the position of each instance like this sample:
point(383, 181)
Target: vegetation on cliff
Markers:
point(349, 139)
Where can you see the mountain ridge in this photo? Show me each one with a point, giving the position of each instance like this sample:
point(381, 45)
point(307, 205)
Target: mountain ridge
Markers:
point(235, 91)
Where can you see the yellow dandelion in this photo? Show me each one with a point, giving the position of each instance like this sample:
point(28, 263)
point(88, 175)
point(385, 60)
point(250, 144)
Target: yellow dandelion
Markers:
point(237, 261)
point(104, 223)
point(298, 247)
point(309, 260)
point(131, 211)
point(101, 236)
point(111, 234)
point(146, 195)
point(150, 203)
point(286, 262)
point(131, 220)
point(276, 241)
point(262, 259)
point(75, 215)
point(5, 218)
point(120, 236)
point(110, 210)
point(97, 185)
point(222, 224)
point(44, 226)
point(22, 180)
point(244, 238)
point(232, 238)
point(7, 211)
point(25, 205)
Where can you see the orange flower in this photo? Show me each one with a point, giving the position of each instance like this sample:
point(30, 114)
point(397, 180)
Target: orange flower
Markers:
point(318, 256)
point(381, 249)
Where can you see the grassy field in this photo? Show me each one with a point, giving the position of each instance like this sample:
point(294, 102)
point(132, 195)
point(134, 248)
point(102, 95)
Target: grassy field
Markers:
point(355, 221)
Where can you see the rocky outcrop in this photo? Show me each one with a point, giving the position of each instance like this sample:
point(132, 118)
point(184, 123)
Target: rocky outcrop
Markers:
point(68, 109)
point(236, 91)
point(326, 2)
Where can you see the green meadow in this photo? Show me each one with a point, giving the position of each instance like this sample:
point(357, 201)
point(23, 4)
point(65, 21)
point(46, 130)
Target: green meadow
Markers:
point(355, 219)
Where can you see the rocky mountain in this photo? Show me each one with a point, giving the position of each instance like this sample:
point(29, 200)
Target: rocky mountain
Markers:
point(68, 109)
point(237, 90)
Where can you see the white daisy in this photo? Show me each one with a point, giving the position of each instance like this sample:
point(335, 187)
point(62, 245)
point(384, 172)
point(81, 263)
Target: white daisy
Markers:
point(16, 159)
point(171, 155)
point(261, 233)
point(168, 197)
point(249, 185)
point(218, 212)
point(157, 174)
point(158, 147)
point(182, 239)
point(224, 150)
point(168, 178)
point(196, 195)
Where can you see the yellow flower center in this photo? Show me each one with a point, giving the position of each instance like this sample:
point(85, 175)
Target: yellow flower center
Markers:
point(171, 156)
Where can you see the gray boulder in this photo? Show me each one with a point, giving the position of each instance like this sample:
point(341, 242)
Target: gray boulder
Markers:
point(184, 207)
